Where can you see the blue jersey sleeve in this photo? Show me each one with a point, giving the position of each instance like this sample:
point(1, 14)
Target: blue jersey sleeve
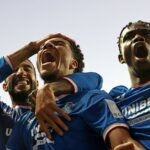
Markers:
point(12, 112)
point(6, 108)
point(102, 114)
point(85, 81)
point(5, 69)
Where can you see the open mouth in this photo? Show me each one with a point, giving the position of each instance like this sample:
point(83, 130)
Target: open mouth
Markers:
point(140, 51)
point(47, 57)
point(22, 81)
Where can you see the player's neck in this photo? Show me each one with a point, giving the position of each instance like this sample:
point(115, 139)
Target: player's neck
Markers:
point(139, 79)
point(139, 82)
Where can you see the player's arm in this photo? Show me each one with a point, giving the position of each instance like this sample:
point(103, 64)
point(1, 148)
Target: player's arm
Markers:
point(76, 82)
point(6, 108)
point(28, 50)
point(116, 132)
point(120, 139)
point(103, 115)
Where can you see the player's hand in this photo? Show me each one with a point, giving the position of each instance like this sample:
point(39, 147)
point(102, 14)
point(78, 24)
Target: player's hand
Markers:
point(46, 110)
point(132, 145)
point(37, 44)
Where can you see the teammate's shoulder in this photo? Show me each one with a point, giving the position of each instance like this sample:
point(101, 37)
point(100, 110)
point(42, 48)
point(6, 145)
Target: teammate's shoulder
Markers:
point(95, 96)
point(118, 91)
point(5, 116)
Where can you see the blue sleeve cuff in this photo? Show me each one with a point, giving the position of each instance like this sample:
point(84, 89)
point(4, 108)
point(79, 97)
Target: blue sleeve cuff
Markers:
point(5, 69)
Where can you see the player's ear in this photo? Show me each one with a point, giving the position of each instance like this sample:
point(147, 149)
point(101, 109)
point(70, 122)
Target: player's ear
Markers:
point(73, 64)
point(121, 59)
point(5, 87)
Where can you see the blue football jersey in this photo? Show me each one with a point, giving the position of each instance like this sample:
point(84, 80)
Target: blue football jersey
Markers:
point(135, 106)
point(5, 69)
point(93, 113)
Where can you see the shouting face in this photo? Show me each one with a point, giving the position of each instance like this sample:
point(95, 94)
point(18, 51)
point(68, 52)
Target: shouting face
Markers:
point(135, 48)
point(55, 59)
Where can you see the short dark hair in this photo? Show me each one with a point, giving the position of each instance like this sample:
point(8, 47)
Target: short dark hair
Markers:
point(78, 55)
point(145, 24)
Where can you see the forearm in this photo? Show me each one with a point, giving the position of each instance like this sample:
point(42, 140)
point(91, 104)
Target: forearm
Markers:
point(61, 87)
point(118, 136)
point(120, 139)
point(22, 54)
point(28, 50)
point(55, 88)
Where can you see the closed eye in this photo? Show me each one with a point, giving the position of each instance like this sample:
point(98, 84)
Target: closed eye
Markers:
point(58, 43)
point(129, 36)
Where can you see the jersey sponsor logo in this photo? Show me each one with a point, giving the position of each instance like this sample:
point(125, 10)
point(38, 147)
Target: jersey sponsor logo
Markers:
point(137, 109)
point(114, 109)
point(139, 119)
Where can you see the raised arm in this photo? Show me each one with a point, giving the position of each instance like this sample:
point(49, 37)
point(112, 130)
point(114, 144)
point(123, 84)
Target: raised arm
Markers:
point(10, 62)
point(27, 51)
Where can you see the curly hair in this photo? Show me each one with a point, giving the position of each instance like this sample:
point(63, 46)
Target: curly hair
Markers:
point(144, 24)
point(78, 55)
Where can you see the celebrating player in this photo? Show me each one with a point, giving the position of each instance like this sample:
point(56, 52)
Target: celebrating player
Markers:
point(134, 46)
